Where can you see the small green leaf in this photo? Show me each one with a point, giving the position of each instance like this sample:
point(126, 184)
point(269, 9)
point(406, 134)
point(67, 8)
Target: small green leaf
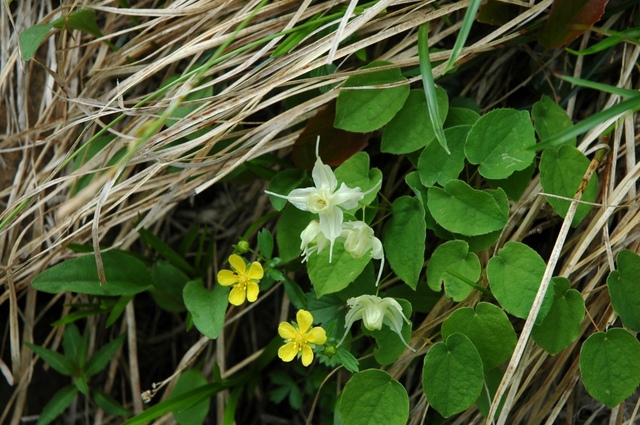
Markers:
point(461, 209)
point(58, 404)
point(610, 365)
point(190, 414)
point(126, 275)
point(561, 326)
point(265, 243)
point(332, 277)
point(347, 360)
point(374, 397)
point(452, 375)
point(81, 19)
point(292, 222)
point(624, 288)
point(404, 237)
point(283, 183)
point(361, 109)
point(561, 173)
point(550, 119)
point(411, 128)
point(515, 275)
point(295, 294)
point(206, 307)
point(168, 282)
point(57, 361)
point(31, 38)
point(435, 165)
point(355, 172)
point(499, 143)
point(109, 404)
point(454, 266)
point(101, 359)
point(488, 328)
point(74, 346)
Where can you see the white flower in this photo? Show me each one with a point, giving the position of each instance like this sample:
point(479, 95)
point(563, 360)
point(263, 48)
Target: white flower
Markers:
point(374, 312)
point(313, 240)
point(359, 240)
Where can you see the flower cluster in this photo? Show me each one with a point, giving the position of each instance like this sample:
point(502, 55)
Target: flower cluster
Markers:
point(300, 338)
point(244, 282)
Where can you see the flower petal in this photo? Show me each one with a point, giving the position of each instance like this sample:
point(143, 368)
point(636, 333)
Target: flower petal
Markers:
point(287, 352)
point(237, 295)
point(307, 355)
point(287, 331)
point(227, 277)
point(252, 291)
point(347, 197)
point(323, 176)
point(298, 197)
point(237, 263)
point(316, 335)
point(256, 272)
point(305, 320)
point(331, 224)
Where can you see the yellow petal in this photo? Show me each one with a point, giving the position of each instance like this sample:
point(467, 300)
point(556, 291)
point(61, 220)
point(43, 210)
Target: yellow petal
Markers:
point(305, 319)
point(316, 335)
point(237, 295)
point(287, 331)
point(287, 352)
point(307, 355)
point(237, 263)
point(227, 277)
point(252, 291)
point(256, 272)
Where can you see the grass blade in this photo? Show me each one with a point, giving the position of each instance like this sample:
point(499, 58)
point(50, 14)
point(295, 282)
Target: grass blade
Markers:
point(465, 29)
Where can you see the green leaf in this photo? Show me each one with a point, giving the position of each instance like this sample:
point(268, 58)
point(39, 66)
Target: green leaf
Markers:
point(452, 375)
point(403, 238)
point(347, 360)
point(354, 172)
point(411, 128)
point(561, 326)
point(81, 384)
point(167, 252)
point(283, 183)
point(31, 38)
point(624, 288)
point(101, 359)
point(515, 185)
point(374, 397)
point(265, 243)
point(117, 310)
point(126, 275)
point(488, 328)
point(461, 116)
point(168, 282)
point(610, 365)
point(550, 119)
point(206, 307)
point(363, 110)
point(561, 173)
point(81, 19)
point(190, 413)
point(332, 277)
point(499, 143)
point(57, 361)
point(93, 147)
point(515, 275)
point(389, 344)
point(613, 38)
point(74, 346)
point(454, 266)
point(292, 222)
point(295, 294)
point(58, 404)
point(461, 209)
point(435, 165)
point(109, 404)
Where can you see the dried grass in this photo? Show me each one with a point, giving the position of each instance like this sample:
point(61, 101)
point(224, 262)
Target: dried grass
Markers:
point(76, 86)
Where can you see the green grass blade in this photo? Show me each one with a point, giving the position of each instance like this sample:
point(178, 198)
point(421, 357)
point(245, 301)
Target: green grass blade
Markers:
point(430, 86)
point(614, 38)
point(465, 29)
point(599, 86)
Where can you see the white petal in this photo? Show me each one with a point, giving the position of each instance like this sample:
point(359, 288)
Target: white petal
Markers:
point(347, 197)
point(323, 176)
point(299, 197)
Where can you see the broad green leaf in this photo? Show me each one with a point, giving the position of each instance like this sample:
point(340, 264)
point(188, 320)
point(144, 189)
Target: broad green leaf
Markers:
point(109, 404)
point(454, 266)
point(265, 243)
point(206, 307)
point(499, 143)
point(80, 19)
point(126, 275)
point(361, 109)
point(283, 183)
point(389, 344)
point(461, 116)
point(515, 275)
point(452, 375)
point(99, 360)
point(292, 222)
point(624, 288)
point(494, 12)
point(374, 397)
point(332, 277)
point(459, 208)
point(561, 326)
point(561, 173)
point(403, 238)
point(568, 19)
point(190, 414)
point(610, 365)
point(58, 404)
point(354, 172)
point(56, 360)
point(550, 119)
point(168, 282)
point(327, 311)
point(31, 38)
point(515, 185)
point(437, 166)
point(488, 328)
point(411, 128)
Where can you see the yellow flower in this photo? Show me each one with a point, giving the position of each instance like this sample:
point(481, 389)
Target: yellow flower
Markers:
point(300, 338)
point(245, 283)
